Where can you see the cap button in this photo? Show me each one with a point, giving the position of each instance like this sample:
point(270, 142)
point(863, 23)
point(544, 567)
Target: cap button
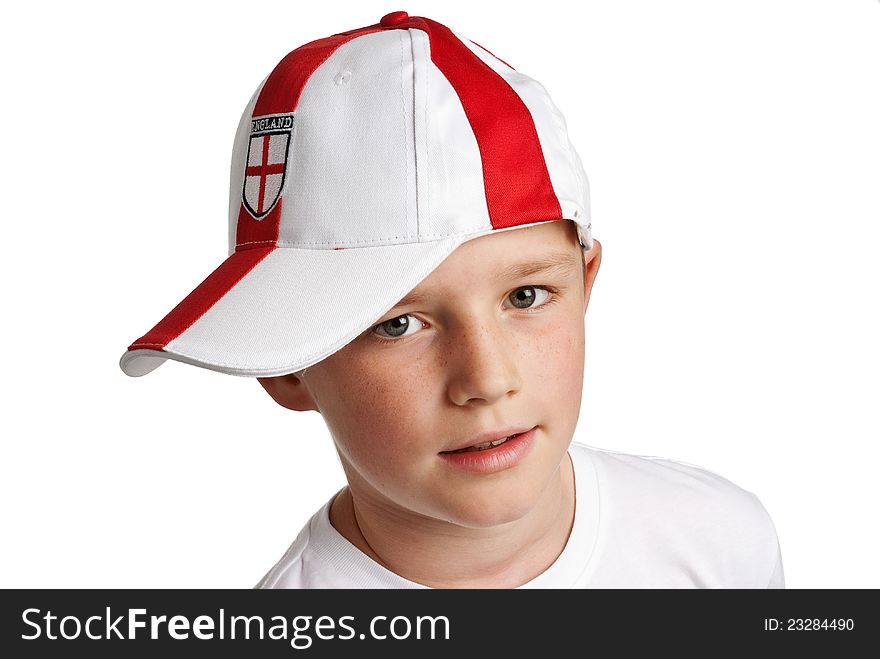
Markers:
point(394, 18)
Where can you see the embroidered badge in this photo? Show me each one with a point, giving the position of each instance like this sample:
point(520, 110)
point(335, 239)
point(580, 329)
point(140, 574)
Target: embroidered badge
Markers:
point(266, 163)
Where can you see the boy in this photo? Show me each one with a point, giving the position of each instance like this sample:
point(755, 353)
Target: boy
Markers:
point(411, 256)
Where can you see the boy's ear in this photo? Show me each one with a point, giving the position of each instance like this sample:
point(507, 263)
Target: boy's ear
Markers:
point(289, 391)
point(592, 259)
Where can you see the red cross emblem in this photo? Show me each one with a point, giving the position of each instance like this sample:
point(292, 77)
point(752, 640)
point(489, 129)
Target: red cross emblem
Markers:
point(266, 163)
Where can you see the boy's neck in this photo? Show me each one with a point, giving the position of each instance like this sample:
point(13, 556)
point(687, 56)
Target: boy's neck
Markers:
point(413, 555)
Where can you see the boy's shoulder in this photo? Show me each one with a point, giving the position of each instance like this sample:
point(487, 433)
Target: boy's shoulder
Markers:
point(648, 472)
point(676, 488)
point(652, 501)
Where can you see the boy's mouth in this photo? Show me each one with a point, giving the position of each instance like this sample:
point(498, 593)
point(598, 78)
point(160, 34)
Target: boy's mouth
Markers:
point(492, 452)
point(486, 445)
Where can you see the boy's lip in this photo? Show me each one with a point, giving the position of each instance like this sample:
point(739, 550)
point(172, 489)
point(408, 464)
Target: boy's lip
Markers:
point(489, 436)
point(492, 460)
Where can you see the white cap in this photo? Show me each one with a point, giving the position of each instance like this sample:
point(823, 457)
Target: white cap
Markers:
point(361, 162)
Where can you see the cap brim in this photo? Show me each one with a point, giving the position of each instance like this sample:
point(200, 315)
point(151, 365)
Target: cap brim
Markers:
point(276, 310)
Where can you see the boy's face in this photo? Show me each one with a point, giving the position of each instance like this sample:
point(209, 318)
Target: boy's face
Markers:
point(478, 353)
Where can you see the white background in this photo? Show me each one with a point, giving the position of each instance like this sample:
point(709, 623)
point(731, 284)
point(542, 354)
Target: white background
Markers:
point(733, 150)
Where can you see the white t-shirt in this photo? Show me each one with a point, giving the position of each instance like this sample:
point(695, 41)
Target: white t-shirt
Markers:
point(640, 522)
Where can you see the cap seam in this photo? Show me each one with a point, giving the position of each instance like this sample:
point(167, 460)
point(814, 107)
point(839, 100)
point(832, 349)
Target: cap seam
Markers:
point(405, 131)
point(428, 64)
point(454, 234)
point(256, 242)
point(415, 109)
point(292, 244)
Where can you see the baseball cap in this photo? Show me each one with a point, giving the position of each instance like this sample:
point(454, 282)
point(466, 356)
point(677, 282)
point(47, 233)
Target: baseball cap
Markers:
point(360, 163)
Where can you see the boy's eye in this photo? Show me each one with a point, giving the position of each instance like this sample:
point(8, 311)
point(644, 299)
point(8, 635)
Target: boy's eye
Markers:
point(521, 298)
point(396, 327)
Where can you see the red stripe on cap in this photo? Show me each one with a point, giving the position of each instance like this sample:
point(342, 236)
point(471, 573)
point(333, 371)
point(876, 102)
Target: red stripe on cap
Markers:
point(279, 95)
point(202, 298)
point(518, 186)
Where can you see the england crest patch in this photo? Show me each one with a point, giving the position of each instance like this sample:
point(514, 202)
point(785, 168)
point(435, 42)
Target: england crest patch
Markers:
point(266, 163)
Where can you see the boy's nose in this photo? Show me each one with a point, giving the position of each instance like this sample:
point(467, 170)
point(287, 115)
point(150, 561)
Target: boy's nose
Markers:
point(482, 364)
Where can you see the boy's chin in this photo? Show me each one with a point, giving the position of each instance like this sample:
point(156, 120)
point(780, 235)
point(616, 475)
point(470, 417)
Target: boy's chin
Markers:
point(491, 507)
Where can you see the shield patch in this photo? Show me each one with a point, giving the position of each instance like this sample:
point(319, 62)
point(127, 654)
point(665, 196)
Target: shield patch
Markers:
point(266, 163)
